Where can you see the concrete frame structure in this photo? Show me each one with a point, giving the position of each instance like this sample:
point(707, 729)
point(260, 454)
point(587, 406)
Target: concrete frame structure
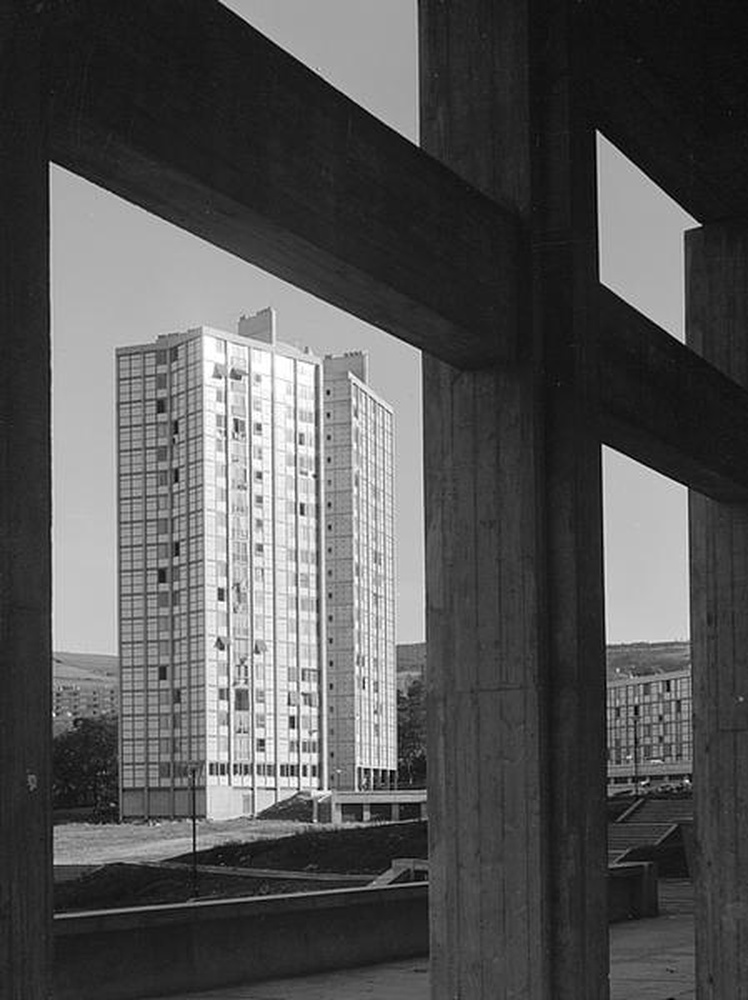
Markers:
point(487, 260)
point(389, 806)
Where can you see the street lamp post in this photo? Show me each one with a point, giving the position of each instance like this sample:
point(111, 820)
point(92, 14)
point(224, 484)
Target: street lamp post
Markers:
point(194, 770)
point(315, 815)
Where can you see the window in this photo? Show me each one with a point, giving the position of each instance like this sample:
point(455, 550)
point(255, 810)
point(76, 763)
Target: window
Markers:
point(160, 406)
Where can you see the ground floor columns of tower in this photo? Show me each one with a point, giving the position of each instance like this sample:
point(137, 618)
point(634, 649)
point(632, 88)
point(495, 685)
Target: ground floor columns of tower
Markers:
point(717, 328)
point(25, 601)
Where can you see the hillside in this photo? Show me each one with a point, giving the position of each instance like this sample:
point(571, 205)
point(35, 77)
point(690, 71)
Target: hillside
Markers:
point(623, 660)
point(84, 667)
point(644, 658)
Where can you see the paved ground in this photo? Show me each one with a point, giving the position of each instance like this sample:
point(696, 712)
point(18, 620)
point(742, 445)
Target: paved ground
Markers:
point(649, 960)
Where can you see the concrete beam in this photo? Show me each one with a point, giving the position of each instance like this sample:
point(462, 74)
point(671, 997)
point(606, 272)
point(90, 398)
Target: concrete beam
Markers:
point(664, 405)
point(292, 175)
point(25, 567)
point(185, 110)
point(670, 85)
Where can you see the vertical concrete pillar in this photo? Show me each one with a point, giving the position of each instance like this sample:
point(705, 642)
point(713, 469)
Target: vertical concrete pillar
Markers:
point(717, 328)
point(395, 812)
point(25, 603)
point(516, 666)
point(366, 811)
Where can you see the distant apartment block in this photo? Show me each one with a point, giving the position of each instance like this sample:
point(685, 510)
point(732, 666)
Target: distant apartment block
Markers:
point(360, 577)
point(223, 605)
point(649, 709)
point(83, 686)
point(650, 728)
point(411, 664)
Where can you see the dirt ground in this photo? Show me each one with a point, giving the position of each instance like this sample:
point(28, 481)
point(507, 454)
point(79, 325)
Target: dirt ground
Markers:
point(91, 843)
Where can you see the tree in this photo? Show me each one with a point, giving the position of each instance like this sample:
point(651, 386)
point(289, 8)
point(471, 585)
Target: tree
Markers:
point(84, 765)
point(411, 735)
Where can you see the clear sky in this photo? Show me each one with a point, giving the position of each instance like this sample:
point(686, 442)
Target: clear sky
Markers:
point(121, 276)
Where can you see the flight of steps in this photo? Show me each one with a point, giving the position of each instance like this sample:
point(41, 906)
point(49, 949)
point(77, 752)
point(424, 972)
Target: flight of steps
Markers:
point(650, 822)
point(662, 811)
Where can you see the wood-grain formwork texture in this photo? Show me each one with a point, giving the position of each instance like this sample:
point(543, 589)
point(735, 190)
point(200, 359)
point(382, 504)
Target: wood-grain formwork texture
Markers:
point(513, 528)
point(25, 582)
point(717, 327)
point(481, 249)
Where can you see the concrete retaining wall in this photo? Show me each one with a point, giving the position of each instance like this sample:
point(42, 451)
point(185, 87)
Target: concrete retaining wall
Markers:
point(632, 891)
point(119, 954)
point(158, 950)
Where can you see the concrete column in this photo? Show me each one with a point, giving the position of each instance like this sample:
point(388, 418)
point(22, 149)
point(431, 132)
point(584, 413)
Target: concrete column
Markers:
point(366, 811)
point(516, 664)
point(25, 580)
point(717, 328)
point(395, 812)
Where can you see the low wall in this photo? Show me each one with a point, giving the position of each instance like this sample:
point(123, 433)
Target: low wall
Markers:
point(158, 950)
point(632, 891)
point(161, 950)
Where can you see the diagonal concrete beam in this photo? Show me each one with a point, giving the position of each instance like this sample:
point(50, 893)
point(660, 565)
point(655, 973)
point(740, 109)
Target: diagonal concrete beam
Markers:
point(668, 408)
point(190, 113)
point(187, 111)
point(660, 97)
